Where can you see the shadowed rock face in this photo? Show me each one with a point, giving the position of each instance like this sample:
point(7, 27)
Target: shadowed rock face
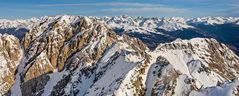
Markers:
point(71, 55)
point(17, 32)
point(34, 86)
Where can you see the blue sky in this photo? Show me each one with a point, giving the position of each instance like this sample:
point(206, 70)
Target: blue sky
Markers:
point(19, 9)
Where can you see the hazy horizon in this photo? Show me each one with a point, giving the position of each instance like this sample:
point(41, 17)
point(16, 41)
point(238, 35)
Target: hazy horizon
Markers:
point(116, 15)
point(15, 9)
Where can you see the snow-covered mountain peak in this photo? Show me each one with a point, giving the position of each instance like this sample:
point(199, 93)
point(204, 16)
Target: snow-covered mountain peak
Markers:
point(27, 23)
point(214, 20)
point(145, 25)
point(173, 24)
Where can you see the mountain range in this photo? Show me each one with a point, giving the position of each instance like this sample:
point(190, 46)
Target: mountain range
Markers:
point(120, 56)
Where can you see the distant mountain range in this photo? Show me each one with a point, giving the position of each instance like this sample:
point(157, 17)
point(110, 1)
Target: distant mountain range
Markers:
point(151, 31)
point(120, 55)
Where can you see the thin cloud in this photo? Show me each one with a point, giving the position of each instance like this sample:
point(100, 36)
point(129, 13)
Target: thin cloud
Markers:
point(145, 10)
point(234, 5)
point(230, 10)
point(102, 4)
point(124, 8)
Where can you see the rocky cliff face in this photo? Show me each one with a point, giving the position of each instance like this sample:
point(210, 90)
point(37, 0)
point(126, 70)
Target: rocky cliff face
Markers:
point(82, 56)
point(10, 56)
point(61, 45)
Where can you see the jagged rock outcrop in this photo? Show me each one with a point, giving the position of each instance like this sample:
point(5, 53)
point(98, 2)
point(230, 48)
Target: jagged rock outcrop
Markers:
point(10, 56)
point(61, 42)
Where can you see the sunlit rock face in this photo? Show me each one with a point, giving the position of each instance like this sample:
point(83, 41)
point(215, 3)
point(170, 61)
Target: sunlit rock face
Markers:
point(10, 57)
